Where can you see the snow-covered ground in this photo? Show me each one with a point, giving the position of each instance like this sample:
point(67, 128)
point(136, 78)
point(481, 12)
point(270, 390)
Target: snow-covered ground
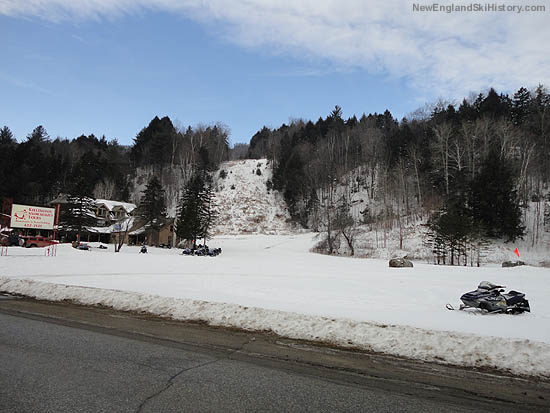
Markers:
point(374, 244)
point(263, 282)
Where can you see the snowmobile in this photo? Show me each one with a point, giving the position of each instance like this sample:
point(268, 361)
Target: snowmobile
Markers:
point(489, 299)
point(214, 251)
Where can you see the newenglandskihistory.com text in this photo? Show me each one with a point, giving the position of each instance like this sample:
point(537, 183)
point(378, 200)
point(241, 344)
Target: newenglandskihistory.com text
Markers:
point(478, 7)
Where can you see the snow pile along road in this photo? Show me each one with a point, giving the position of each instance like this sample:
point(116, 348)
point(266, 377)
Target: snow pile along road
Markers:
point(518, 356)
point(273, 283)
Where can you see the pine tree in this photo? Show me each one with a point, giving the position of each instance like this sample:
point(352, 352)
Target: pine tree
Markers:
point(38, 135)
point(188, 225)
point(208, 212)
point(8, 147)
point(495, 105)
point(77, 214)
point(152, 209)
point(450, 231)
point(520, 106)
point(196, 210)
point(6, 136)
point(494, 201)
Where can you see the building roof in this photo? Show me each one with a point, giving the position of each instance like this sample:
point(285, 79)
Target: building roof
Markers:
point(110, 205)
point(107, 203)
point(138, 231)
point(121, 226)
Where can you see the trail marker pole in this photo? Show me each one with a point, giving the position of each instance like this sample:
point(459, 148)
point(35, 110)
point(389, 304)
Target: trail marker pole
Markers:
point(51, 251)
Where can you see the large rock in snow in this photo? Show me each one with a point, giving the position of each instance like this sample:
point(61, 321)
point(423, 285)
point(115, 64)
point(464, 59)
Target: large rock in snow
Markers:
point(400, 263)
point(507, 264)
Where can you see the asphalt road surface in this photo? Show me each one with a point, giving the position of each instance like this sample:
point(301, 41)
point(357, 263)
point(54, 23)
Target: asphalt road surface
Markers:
point(64, 358)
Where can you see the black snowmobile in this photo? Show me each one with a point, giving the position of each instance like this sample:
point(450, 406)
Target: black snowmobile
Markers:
point(489, 299)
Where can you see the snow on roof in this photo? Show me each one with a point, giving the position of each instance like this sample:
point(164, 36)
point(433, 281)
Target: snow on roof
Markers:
point(110, 205)
point(138, 231)
point(116, 227)
point(99, 230)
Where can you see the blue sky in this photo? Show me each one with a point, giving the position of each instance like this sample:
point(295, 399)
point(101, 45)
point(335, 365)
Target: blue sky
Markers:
point(109, 67)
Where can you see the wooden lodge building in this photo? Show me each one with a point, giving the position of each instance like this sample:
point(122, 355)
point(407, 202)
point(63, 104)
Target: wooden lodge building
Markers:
point(117, 219)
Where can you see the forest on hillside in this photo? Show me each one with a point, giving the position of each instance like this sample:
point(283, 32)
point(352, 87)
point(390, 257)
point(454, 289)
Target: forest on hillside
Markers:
point(37, 168)
point(473, 165)
point(469, 170)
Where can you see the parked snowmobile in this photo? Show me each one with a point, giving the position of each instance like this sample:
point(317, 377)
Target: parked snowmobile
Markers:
point(488, 299)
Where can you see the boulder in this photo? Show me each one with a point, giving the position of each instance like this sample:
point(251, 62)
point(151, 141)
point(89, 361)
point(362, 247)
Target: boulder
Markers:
point(507, 264)
point(400, 263)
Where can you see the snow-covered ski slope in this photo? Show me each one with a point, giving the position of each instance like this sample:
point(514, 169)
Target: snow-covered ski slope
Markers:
point(244, 203)
point(263, 282)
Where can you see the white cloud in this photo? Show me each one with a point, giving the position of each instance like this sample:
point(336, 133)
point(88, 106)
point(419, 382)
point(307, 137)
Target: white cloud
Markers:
point(15, 81)
point(447, 54)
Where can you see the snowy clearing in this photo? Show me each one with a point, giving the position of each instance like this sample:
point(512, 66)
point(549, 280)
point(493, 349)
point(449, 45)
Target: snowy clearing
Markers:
point(274, 283)
point(244, 203)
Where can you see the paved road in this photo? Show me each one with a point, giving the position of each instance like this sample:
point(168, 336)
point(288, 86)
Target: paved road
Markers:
point(115, 362)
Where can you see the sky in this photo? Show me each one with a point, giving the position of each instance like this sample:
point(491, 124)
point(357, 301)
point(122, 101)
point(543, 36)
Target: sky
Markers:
point(108, 67)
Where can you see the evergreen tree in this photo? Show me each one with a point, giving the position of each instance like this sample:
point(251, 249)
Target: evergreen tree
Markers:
point(312, 209)
point(151, 143)
point(188, 225)
point(335, 119)
point(33, 167)
point(466, 111)
point(87, 173)
point(450, 233)
point(152, 209)
point(7, 164)
point(208, 211)
point(196, 210)
point(77, 214)
point(295, 186)
point(520, 106)
point(6, 136)
point(494, 200)
point(259, 144)
point(38, 135)
point(495, 105)
point(204, 159)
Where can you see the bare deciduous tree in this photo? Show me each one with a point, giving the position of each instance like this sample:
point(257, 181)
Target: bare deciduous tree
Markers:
point(105, 189)
point(443, 133)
